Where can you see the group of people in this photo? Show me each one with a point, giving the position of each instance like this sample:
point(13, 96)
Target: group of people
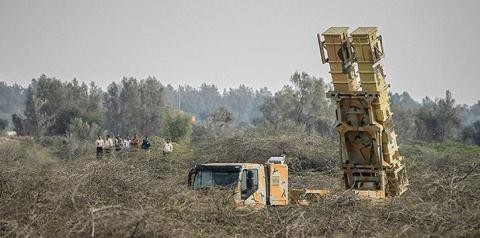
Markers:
point(108, 144)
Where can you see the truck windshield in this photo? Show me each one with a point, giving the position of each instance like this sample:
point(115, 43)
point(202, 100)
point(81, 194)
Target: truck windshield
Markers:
point(211, 177)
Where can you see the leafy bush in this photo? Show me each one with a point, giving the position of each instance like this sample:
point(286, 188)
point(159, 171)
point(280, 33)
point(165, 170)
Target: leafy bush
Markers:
point(80, 139)
point(178, 128)
point(471, 133)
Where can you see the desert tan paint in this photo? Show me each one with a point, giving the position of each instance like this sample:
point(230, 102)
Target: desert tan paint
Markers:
point(278, 184)
point(370, 159)
point(273, 184)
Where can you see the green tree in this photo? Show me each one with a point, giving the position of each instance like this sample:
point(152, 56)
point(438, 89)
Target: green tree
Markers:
point(64, 118)
point(19, 125)
point(438, 120)
point(12, 100)
point(3, 124)
point(470, 114)
point(313, 109)
point(80, 138)
point(152, 106)
point(280, 108)
point(447, 113)
point(178, 128)
point(403, 107)
point(37, 121)
point(305, 104)
point(51, 105)
point(220, 122)
point(111, 105)
point(471, 133)
point(243, 102)
point(137, 106)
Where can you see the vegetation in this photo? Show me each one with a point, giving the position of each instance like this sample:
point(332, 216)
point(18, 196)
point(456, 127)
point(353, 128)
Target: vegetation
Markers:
point(141, 194)
point(304, 105)
point(178, 127)
point(48, 105)
point(12, 100)
point(135, 106)
point(51, 183)
point(3, 124)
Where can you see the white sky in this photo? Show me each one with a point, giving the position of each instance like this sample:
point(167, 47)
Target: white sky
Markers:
point(430, 46)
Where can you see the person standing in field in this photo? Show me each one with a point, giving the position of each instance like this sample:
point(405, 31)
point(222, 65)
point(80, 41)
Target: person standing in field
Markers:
point(168, 147)
point(99, 143)
point(118, 143)
point(135, 141)
point(145, 143)
point(127, 142)
point(108, 145)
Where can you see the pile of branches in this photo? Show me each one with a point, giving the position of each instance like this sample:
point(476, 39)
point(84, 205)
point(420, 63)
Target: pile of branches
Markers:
point(304, 153)
point(144, 194)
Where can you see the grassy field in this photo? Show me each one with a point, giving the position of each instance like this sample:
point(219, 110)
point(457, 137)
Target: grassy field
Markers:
point(142, 194)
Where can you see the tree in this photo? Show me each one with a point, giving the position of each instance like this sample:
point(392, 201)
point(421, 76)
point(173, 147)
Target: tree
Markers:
point(37, 121)
point(470, 114)
point(220, 119)
point(64, 118)
point(314, 110)
point(152, 106)
point(3, 124)
point(438, 120)
point(80, 138)
point(448, 116)
point(135, 106)
point(471, 133)
point(51, 104)
point(111, 105)
point(12, 98)
point(280, 107)
point(305, 104)
point(403, 107)
point(178, 128)
point(244, 103)
point(19, 125)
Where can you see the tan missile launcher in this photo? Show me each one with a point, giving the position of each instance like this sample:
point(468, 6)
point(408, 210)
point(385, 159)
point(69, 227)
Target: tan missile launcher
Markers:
point(371, 163)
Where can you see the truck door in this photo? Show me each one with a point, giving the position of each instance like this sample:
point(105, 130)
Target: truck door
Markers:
point(252, 190)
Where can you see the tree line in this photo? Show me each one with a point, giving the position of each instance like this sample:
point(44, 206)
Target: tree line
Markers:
point(52, 107)
point(436, 120)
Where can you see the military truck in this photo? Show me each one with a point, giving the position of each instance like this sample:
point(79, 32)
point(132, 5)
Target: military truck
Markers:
point(255, 185)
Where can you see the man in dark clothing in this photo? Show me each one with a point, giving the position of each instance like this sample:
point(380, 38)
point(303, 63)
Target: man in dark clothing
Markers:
point(100, 143)
point(145, 143)
point(118, 143)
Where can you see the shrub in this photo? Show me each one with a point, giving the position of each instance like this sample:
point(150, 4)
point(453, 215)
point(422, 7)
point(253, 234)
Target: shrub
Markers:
point(178, 128)
point(80, 139)
point(471, 133)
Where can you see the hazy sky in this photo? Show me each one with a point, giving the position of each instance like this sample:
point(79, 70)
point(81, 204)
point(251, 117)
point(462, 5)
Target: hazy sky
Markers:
point(430, 46)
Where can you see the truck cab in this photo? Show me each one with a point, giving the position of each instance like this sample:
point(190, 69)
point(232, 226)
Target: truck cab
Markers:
point(253, 184)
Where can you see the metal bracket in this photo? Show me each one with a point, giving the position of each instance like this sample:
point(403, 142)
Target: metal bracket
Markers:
point(321, 45)
point(377, 51)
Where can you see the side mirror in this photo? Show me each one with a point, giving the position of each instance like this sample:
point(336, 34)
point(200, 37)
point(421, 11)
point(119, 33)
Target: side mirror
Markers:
point(249, 183)
point(191, 177)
